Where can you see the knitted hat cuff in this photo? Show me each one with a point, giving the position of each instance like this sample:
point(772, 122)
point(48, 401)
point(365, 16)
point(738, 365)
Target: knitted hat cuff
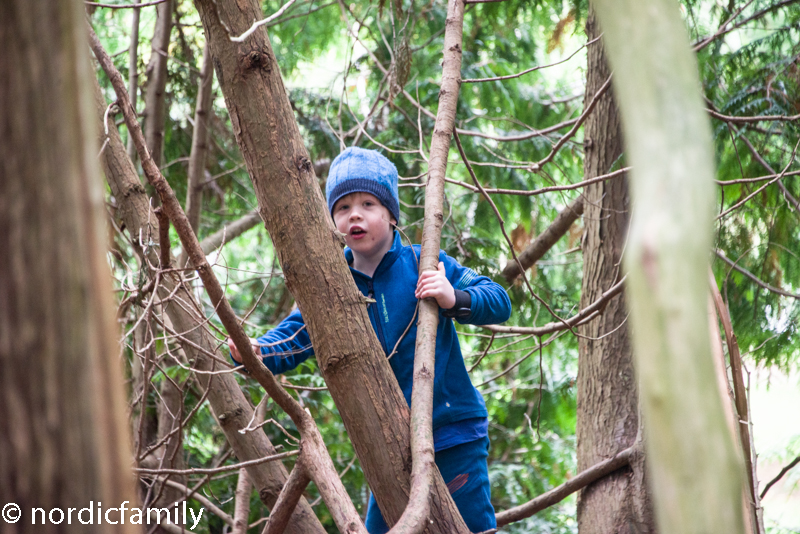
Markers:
point(365, 185)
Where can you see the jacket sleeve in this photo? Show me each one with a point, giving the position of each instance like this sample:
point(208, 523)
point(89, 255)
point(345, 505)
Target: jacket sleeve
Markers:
point(287, 345)
point(489, 301)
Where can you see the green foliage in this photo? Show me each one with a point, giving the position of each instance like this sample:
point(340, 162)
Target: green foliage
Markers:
point(333, 82)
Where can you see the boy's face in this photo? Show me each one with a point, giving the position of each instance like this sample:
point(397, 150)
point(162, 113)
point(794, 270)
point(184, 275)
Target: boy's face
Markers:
point(366, 223)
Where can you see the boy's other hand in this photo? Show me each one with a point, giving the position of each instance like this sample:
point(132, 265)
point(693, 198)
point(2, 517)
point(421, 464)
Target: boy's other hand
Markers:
point(235, 352)
point(434, 284)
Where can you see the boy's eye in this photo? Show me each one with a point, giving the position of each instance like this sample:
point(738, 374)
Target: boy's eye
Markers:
point(343, 207)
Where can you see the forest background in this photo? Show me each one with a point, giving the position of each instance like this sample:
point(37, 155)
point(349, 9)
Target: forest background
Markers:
point(523, 138)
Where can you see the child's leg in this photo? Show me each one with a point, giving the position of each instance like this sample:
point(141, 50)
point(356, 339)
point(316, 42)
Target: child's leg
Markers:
point(466, 474)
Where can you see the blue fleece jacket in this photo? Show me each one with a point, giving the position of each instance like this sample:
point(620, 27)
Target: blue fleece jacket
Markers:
point(392, 286)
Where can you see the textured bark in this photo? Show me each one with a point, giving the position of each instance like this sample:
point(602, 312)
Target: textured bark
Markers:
point(133, 70)
point(227, 401)
point(170, 454)
point(290, 202)
point(241, 512)
point(696, 475)
point(422, 454)
point(320, 465)
point(64, 440)
point(197, 157)
point(155, 98)
point(545, 241)
point(607, 393)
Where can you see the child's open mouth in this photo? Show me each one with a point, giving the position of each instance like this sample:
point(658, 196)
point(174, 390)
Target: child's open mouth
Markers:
point(357, 233)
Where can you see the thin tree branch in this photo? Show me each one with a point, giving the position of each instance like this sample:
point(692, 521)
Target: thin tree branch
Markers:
point(754, 118)
point(532, 69)
point(740, 395)
point(215, 470)
point(124, 6)
point(569, 487)
point(785, 470)
point(545, 240)
point(261, 22)
point(753, 277)
point(588, 313)
point(287, 500)
point(415, 516)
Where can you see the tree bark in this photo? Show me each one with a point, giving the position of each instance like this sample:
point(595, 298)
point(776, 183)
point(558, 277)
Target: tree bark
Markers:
point(133, 70)
point(64, 440)
point(696, 475)
point(290, 202)
point(607, 413)
point(227, 401)
point(155, 98)
point(197, 157)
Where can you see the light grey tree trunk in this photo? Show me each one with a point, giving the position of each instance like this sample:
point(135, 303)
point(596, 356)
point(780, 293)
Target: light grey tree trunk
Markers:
point(608, 410)
point(696, 475)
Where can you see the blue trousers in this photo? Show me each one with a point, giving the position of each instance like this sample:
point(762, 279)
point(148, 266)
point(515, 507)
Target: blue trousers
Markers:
point(465, 472)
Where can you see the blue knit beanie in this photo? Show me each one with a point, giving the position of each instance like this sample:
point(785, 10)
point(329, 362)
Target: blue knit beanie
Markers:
point(357, 170)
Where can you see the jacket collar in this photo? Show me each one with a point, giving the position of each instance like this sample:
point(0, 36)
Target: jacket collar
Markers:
point(388, 259)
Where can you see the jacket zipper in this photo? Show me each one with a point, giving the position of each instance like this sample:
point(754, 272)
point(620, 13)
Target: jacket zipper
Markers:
point(373, 306)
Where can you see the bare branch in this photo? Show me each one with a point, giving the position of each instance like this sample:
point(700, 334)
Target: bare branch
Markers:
point(587, 313)
point(532, 69)
point(261, 22)
point(215, 470)
point(785, 470)
point(287, 500)
point(753, 277)
point(569, 487)
point(545, 240)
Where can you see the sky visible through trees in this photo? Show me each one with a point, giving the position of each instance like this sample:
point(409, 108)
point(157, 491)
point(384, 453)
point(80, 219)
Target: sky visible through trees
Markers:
point(368, 74)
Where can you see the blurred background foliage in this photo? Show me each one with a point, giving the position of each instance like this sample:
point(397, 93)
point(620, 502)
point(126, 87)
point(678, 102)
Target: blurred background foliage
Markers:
point(333, 83)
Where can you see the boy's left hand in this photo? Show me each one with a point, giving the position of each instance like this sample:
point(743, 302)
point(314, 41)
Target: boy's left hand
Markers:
point(434, 284)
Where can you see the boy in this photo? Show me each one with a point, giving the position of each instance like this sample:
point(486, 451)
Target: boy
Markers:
point(362, 196)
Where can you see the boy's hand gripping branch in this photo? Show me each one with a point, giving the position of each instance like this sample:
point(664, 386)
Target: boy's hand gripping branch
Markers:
point(434, 284)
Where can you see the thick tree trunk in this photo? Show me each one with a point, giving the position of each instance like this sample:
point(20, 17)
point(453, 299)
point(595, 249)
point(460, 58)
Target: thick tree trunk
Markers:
point(290, 202)
point(64, 440)
point(696, 475)
point(608, 419)
point(155, 98)
point(227, 401)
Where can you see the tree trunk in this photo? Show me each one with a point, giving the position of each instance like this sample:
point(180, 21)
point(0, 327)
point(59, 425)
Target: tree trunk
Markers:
point(155, 98)
point(290, 202)
point(64, 440)
point(227, 401)
point(608, 419)
point(696, 475)
point(133, 70)
point(197, 158)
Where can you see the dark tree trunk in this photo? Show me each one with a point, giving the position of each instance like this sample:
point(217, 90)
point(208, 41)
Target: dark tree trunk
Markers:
point(155, 98)
point(607, 393)
point(64, 440)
